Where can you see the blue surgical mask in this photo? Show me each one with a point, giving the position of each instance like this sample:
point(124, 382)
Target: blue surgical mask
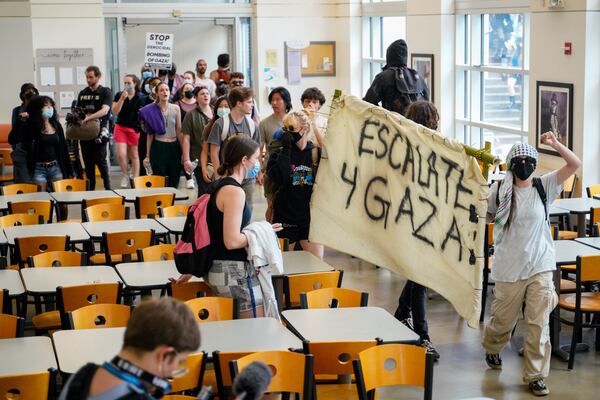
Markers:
point(47, 112)
point(147, 88)
point(188, 81)
point(147, 74)
point(221, 112)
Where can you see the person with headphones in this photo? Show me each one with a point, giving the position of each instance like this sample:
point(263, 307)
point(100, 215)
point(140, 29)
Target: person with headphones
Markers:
point(15, 137)
point(160, 335)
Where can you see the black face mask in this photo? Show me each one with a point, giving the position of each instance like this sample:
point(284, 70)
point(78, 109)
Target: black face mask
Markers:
point(29, 95)
point(296, 137)
point(189, 94)
point(523, 169)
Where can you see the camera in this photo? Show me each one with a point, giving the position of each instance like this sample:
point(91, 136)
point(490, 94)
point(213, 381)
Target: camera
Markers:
point(75, 116)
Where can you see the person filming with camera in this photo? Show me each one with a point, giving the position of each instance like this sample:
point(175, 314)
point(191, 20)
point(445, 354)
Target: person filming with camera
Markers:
point(95, 100)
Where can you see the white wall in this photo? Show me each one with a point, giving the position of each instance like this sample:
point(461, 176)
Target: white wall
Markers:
point(18, 66)
point(193, 40)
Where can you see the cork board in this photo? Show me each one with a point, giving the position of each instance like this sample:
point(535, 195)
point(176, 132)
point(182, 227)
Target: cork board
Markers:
point(317, 59)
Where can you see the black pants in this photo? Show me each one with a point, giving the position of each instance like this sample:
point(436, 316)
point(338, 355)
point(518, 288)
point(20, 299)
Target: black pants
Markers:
point(200, 184)
point(412, 300)
point(95, 154)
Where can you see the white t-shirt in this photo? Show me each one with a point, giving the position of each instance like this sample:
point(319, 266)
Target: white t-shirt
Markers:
point(209, 84)
point(527, 248)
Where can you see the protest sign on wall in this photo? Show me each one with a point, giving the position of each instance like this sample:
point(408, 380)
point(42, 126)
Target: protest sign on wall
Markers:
point(159, 50)
point(403, 197)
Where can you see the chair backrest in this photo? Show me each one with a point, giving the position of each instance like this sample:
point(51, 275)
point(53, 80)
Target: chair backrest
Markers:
point(26, 247)
point(569, 187)
point(27, 386)
point(11, 326)
point(70, 185)
point(149, 181)
point(99, 316)
point(335, 358)
point(148, 206)
point(37, 207)
point(177, 210)
point(284, 244)
point(188, 290)
point(594, 221)
point(5, 156)
point(70, 298)
point(588, 268)
point(158, 252)
point(19, 219)
point(391, 365)
point(333, 298)
point(105, 212)
point(60, 258)
point(195, 364)
point(19, 188)
point(103, 200)
point(593, 190)
point(221, 362)
point(502, 167)
point(125, 243)
point(207, 309)
point(293, 285)
point(285, 367)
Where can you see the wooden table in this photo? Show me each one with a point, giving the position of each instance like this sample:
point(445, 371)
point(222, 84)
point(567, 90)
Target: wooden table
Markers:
point(4, 200)
point(590, 241)
point(173, 224)
point(99, 345)
point(11, 280)
point(74, 229)
point(148, 274)
point(131, 194)
point(579, 206)
point(26, 355)
point(95, 229)
point(78, 197)
point(39, 281)
point(347, 324)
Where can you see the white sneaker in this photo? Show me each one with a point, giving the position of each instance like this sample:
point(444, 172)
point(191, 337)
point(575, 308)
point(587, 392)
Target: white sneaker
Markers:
point(124, 182)
point(190, 184)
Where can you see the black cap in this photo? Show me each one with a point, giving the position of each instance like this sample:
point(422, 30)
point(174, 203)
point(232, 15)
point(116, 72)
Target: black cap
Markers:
point(25, 87)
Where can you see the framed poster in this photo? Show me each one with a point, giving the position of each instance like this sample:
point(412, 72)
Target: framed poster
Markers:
point(423, 64)
point(554, 112)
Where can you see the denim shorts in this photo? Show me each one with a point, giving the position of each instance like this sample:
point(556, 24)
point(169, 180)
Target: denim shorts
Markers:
point(47, 173)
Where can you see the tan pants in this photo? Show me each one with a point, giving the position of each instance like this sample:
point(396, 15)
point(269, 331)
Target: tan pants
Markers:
point(540, 299)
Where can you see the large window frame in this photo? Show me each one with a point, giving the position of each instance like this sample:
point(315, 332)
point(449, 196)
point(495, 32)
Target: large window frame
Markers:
point(474, 71)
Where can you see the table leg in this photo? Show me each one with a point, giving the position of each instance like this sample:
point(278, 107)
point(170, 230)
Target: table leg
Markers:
point(581, 228)
point(278, 287)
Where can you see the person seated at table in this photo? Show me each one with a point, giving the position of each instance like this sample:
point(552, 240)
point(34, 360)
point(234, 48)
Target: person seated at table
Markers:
point(43, 137)
point(524, 258)
point(160, 335)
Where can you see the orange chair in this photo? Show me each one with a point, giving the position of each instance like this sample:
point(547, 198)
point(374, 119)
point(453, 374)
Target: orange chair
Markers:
point(391, 365)
point(105, 212)
point(208, 309)
point(122, 246)
point(188, 290)
point(19, 188)
point(333, 298)
point(149, 181)
point(99, 316)
point(11, 326)
point(293, 285)
point(221, 361)
point(593, 190)
point(39, 385)
point(26, 247)
point(292, 372)
point(192, 380)
point(284, 244)
point(70, 185)
point(149, 206)
point(102, 200)
point(158, 252)
point(9, 220)
point(594, 221)
point(177, 210)
point(5, 304)
point(36, 207)
point(61, 258)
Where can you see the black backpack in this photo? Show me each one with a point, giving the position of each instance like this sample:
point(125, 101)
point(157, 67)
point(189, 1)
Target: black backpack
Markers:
point(79, 385)
point(539, 187)
point(410, 86)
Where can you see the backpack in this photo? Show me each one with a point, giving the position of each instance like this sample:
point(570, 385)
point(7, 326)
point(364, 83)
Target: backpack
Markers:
point(225, 132)
point(537, 184)
point(79, 385)
point(192, 252)
point(410, 86)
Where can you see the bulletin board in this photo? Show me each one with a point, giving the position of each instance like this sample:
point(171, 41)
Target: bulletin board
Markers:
point(317, 59)
point(60, 74)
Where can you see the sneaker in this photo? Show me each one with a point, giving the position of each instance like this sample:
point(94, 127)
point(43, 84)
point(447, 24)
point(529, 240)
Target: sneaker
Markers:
point(430, 348)
point(408, 323)
point(189, 184)
point(539, 388)
point(124, 182)
point(493, 361)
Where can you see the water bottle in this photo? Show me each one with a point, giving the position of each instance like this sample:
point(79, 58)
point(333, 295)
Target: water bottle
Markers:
point(148, 167)
point(194, 165)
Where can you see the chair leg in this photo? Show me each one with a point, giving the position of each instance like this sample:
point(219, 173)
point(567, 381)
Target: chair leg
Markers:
point(576, 329)
point(484, 293)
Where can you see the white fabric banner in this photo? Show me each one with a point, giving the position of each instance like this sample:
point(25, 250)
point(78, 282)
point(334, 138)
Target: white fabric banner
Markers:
point(403, 197)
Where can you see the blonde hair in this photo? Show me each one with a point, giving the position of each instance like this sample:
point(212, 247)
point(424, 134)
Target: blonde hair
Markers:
point(295, 121)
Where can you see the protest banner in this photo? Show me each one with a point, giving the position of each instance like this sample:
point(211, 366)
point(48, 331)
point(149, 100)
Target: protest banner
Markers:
point(159, 50)
point(403, 197)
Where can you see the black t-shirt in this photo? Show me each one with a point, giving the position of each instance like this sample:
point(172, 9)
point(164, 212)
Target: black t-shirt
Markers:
point(128, 115)
point(48, 148)
point(92, 101)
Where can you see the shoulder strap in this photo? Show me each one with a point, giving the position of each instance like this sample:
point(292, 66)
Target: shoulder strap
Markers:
point(79, 385)
point(252, 125)
point(225, 130)
point(537, 183)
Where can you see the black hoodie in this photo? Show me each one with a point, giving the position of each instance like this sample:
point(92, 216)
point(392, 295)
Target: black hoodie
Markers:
point(390, 87)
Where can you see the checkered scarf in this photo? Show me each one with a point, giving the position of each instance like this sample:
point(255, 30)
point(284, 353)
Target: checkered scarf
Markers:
point(505, 190)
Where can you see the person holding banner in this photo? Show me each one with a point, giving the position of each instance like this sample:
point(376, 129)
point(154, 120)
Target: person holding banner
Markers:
point(524, 258)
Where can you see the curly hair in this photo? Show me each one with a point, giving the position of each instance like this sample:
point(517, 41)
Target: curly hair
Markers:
point(424, 113)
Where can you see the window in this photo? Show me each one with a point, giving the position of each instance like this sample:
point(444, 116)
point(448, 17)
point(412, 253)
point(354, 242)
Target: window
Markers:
point(378, 34)
point(492, 80)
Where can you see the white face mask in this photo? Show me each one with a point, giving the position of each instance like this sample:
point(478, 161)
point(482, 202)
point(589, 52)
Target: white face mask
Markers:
point(188, 81)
